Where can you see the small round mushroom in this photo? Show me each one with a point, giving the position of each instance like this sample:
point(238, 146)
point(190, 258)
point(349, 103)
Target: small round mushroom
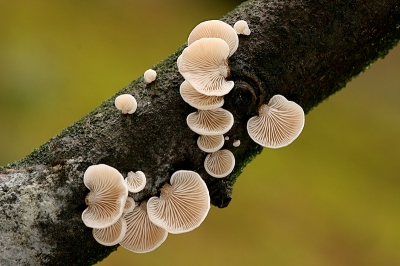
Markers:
point(112, 234)
point(126, 103)
point(135, 181)
point(129, 205)
point(149, 75)
point(198, 100)
point(236, 143)
point(210, 143)
point(182, 205)
point(220, 163)
point(227, 138)
point(210, 122)
point(107, 196)
point(141, 234)
point(204, 65)
point(279, 123)
point(241, 27)
point(215, 29)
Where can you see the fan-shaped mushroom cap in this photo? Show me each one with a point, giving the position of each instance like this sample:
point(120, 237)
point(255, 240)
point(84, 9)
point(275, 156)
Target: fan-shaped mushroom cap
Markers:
point(149, 75)
point(215, 29)
point(279, 123)
point(141, 234)
point(241, 27)
point(182, 205)
point(112, 234)
point(210, 122)
point(220, 163)
point(107, 196)
point(199, 100)
point(135, 181)
point(210, 143)
point(129, 205)
point(126, 103)
point(204, 65)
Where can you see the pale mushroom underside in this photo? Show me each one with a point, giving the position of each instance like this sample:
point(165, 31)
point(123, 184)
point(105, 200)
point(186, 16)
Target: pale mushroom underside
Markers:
point(241, 27)
point(183, 205)
point(112, 234)
point(136, 181)
point(210, 122)
point(129, 205)
point(220, 163)
point(210, 143)
point(126, 103)
point(199, 100)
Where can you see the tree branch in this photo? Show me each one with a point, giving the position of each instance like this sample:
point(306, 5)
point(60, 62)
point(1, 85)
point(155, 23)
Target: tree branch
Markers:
point(304, 50)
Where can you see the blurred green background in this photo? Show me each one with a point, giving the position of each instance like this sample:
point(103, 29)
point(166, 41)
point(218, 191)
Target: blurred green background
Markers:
point(330, 198)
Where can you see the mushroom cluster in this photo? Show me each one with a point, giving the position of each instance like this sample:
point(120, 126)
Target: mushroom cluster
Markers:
point(204, 65)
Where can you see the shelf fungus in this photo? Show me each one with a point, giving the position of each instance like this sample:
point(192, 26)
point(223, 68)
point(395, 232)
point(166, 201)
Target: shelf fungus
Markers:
point(107, 196)
point(112, 234)
point(278, 124)
point(220, 163)
point(135, 181)
point(210, 143)
point(142, 235)
point(126, 103)
point(210, 122)
point(215, 29)
point(199, 100)
point(204, 64)
point(183, 204)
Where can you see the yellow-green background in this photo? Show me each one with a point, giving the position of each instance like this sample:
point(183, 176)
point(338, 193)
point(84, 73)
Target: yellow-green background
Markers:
point(330, 198)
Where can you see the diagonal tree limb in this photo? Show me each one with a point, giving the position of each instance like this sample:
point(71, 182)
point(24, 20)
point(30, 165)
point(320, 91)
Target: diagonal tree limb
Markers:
point(304, 50)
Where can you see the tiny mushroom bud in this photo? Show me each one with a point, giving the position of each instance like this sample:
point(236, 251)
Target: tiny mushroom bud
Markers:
point(107, 196)
point(215, 29)
point(210, 143)
point(126, 103)
point(198, 100)
point(141, 234)
point(241, 27)
point(236, 143)
point(129, 205)
point(227, 138)
point(182, 205)
point(220, 163)
point(204, 65)
point(135, 181)
point(112, 234)
point(149, 75)
point(279, 123)
point(210, 122)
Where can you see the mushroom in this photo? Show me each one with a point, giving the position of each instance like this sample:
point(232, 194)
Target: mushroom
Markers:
point(241, 27)
point(279, 123)
point(210, 122)
point(210, 143)
point(220, 163)
point(198, 100)
point(112, 234)
point(129, 205)
point(204, 65)
point(126, 103)
point(135, 181)
point(107, 196)
point(215, 29)
point(182, 205)
point(149, 75)
point(141, 234)
point(236, 143)
point(178, 60)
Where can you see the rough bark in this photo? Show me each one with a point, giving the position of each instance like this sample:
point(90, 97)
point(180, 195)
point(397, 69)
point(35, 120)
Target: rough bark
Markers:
point(304, 50)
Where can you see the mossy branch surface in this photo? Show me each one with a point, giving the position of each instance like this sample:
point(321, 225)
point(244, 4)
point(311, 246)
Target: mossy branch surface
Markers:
point(304, 50)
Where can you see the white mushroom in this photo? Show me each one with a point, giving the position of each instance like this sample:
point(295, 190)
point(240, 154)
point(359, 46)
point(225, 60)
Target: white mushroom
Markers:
point(129, 205)
point(107, 196)
point(141, 234)
point(241, 27)
point(199, 100)
point(215, 29)
point(210, 122)
point(112, 234)
point(220, 163)
point(178, 60)
point(236, 143)
point(204, 65)
point(126, 103)
point(210, 143)
point(182, 205)
point(149, 75)
point(135, 181)
point(279, 123)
